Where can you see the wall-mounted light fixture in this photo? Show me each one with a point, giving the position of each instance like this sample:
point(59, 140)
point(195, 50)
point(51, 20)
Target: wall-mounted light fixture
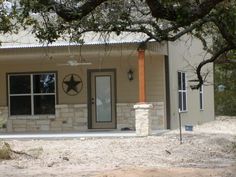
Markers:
point(130, 75)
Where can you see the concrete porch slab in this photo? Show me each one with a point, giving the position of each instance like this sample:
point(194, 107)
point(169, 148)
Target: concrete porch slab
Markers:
point(72, 135)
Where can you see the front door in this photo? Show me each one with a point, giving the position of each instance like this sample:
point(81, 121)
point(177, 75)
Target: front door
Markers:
point(102, 99)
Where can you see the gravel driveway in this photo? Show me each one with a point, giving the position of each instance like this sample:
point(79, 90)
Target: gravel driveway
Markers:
point(210, 147)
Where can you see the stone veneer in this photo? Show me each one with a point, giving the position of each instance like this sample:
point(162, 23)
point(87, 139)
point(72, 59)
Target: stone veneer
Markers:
point(67, 118)
point(3, 118)
point(126, 115)
point(143, 120)
point(74, 118)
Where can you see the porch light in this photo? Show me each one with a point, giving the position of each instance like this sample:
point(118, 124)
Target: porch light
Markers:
point(130, 75)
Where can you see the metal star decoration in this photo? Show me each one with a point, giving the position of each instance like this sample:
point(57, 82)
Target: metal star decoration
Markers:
point(73, 85)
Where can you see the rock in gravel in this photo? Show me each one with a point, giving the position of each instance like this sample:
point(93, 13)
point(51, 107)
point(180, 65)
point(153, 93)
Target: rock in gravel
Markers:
point(65, 158)
point(5, 151)
point(51, 164)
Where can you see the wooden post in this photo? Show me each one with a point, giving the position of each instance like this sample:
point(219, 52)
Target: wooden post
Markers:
point(141, 71)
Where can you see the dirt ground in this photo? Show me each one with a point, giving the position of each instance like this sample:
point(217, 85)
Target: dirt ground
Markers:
point(208, 151)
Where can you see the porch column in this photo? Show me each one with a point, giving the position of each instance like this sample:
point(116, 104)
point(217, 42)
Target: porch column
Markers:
point(141, 74)
point(142, 109)
point(143, 120)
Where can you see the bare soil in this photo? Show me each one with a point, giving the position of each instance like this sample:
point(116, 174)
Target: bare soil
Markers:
point(209, 150)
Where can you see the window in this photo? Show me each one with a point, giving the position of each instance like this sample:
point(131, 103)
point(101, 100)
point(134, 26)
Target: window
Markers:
point(32, 94)
point(201, 97)
point(182, 91)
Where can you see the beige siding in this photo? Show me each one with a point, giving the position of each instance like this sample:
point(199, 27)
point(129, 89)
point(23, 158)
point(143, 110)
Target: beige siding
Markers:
point(155, 78)
point(183, 56)
point(127, 91)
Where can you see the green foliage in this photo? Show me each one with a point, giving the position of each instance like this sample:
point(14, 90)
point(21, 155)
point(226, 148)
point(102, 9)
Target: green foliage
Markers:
point(7, 20)
point(111, 16)
point(162, 20)
point(225, 74)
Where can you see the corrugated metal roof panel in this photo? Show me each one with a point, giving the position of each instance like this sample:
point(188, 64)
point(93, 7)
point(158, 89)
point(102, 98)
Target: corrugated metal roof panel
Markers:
point(27, 40)
point(63, 44)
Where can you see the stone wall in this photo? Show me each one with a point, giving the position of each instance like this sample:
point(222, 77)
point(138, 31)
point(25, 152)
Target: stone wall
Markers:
point(3, 118)
point(70, 118)
point(67, 118)
point(74, 118)
point(126, 115)
point(158, 116)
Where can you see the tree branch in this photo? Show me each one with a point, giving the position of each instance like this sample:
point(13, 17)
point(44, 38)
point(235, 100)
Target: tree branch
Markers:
point(203, 63)
point(72, 13)
point(183, 15)
point(187, 30)
point(230, 38)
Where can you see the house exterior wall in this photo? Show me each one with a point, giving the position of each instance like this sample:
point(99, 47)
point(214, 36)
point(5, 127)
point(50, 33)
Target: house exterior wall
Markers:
point(71, 111)
point(185, 54)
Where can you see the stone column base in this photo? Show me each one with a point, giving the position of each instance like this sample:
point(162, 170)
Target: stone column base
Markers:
point(143, 119)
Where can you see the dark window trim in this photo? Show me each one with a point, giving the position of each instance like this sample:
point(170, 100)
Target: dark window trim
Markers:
point(182, 90)
point(30, 73)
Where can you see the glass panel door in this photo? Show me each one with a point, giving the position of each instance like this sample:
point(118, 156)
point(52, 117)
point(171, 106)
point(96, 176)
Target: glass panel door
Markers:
point(103, 99)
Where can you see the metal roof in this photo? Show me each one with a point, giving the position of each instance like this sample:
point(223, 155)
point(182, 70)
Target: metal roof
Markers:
point(27, 40)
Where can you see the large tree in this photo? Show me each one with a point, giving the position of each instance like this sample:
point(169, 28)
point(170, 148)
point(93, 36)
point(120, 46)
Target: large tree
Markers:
point(160, 20)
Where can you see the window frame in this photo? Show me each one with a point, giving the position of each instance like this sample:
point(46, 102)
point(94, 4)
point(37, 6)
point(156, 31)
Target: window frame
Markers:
point(201, 101)
point(31, 94)
point(181, 91)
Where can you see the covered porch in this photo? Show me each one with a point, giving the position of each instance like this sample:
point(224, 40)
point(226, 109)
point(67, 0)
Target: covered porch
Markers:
point(72, 110)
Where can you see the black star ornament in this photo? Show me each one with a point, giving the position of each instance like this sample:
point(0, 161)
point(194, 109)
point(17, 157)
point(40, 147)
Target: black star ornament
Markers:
point(72, 84)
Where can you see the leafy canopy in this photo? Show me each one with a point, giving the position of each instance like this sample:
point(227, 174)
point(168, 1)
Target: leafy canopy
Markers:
point(160, 20)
